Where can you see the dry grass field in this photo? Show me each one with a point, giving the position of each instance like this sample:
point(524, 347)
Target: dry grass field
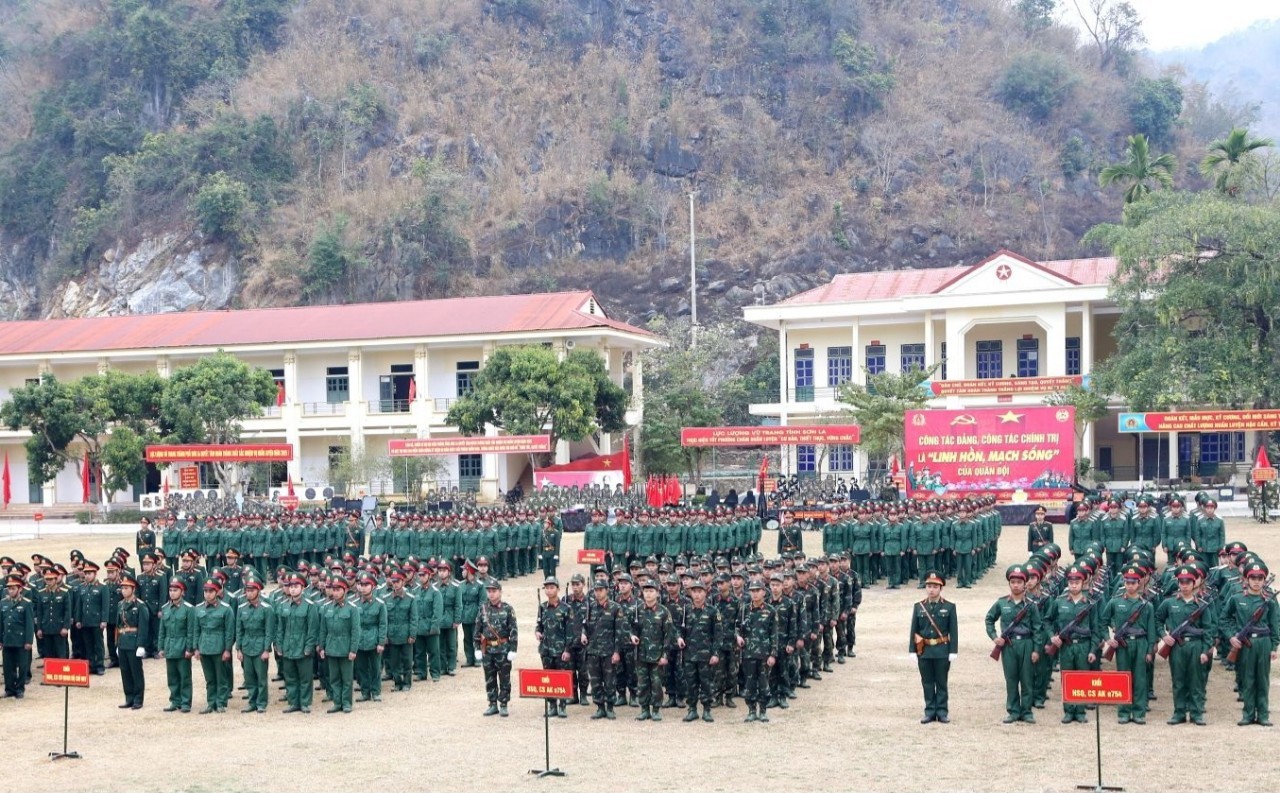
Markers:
point(855, 730)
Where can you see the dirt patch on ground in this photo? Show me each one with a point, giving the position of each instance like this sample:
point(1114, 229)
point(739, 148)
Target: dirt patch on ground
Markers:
point(856, 729)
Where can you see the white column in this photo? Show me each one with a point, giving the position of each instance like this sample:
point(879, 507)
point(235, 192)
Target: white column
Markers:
point(1055, 357)
point(784, 387)
point(291, 414)
point(423, 404)
point(1086, 339)
point(489, 462)
point(930, 357)
point(859, 354)
point(957, 355)
point(356, 406)
point(1173, 455)
point(104, 366)
point(163, 365)
point(606, 438)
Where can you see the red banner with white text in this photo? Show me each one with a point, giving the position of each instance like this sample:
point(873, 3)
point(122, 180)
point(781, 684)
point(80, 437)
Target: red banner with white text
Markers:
point(1025, 453)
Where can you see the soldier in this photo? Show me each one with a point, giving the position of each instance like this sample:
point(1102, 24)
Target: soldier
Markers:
point(145, 539)
point(1020, 626)
point(255, 628)
point(450, 618)
point(372, 640)
point(402, 632)
point(1255, 614)
point(1190, 653)
point(1208, 530)
point(17, 634)
point(112, 583)
point(191, 576)
point(602, 639)
point(496, 638)
point(758, 638)
point(1175, 528)
point(339, 637)
point(153, 589)
point(578, 602)
point(1132, 624)
point(1073, 620)
point(472, 596)
point(53, 616)
point(91, 609)
point(556, 631)
point(297, 634)
point(935, 637)
point(1040, 530)
point(426, 650)
point(549, 542)
point(215, 636)
point(133, 626)
point(176, 644)
point(700, 637)
point(652, 634)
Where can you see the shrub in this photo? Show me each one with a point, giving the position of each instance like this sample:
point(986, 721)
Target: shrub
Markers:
point(1035, 85)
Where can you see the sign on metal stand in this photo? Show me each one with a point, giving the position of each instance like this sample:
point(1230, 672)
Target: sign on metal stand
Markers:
point(38, 518)
point(548, 685)
point(68, 674)
point(1097, 688)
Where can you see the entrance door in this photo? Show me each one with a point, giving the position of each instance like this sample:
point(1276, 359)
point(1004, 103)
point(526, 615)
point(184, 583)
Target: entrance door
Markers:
point(1155, 457)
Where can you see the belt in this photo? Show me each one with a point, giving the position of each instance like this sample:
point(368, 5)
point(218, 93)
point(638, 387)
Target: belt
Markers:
point(937, 641)
point(1020, 637)
point(1137, 634)
point(1259, 634)
point(495, 642)
point(126, 630)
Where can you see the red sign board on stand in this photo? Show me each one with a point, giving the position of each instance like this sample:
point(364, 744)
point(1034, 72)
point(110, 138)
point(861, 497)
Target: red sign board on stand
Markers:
point(1097, 688)
point(546, 684)
point(590, 556)
point(66, 672)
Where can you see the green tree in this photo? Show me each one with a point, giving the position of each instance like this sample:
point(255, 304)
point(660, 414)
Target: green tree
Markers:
point(1198, 285)
point(1091, 406)
point(1232, 162)
point(206, 403)
point(1154, 107)
point(223, 207)
point(880, 407)
point(1136, 172)
point(525, 390)
point(1035, 85)
point(1036, 14)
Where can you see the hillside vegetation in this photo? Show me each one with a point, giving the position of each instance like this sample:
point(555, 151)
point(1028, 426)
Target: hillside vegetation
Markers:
point(351, 150)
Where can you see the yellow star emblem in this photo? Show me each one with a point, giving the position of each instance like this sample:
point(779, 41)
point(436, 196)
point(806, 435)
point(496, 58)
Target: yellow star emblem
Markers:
point(607, 463)
point(1010, 417)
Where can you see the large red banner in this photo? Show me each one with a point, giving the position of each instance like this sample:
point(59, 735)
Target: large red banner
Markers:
point(221, 453)
point(1003, 385)
point(480, 444)
point(1200, 421)
point(991, 452)
point(800, 434)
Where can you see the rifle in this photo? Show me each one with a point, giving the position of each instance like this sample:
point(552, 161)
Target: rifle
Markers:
point(1165, 650)
point(1051, 649)
point(1007, 633)
point(1242, 635)
point(1122, 634)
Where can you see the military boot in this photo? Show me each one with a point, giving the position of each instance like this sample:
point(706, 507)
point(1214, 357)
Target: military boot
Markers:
point(502, 710)
point(751, 713)
point(764, 715)
point(493, 709)
point(706, 713)
point(728, 701)
point(656, 713)
point(644, 714)
point(561, 711)
point(600, 712)
point(608, 714)
point(692, 715)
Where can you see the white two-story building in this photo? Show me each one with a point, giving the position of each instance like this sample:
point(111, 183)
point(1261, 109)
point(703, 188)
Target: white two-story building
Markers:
point(352, 375)
point(1004, 317)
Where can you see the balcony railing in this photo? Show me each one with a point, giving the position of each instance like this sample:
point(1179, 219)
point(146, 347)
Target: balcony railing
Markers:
point(389, 406)
point(324, 408)
point(442, 404)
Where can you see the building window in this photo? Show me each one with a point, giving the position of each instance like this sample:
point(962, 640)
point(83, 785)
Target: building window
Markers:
point(840, 458)
point(990, 359)
point(912, 357)
point(839, 365)
point(1073, 355)
point(1028, 357)
point(30, 381)
point(806, 459)
point(944, 360)
point(1221, 447)
point(337, 386)
point(875, 358)
point(277, 375)
point(804, 375)
point(470, 466)
point(466, 376)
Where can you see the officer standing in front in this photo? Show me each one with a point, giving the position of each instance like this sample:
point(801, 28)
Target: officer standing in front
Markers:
point(935, 632)
point(133, 632)
point(496, 639)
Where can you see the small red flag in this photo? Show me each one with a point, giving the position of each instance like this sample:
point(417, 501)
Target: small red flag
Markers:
point(626, 463)
point(279, 394)
point(413, 388)
point(1263, 461)
point(8, 483)
point(84, 478)
point(291, 486)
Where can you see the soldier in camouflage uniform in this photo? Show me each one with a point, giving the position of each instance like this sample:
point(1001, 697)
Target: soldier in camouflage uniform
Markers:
point(758, 637)
point(496, 638)
point(779, 680)
point(701, 635)
point(653, 635)
point(556, 631)
point(602, 637)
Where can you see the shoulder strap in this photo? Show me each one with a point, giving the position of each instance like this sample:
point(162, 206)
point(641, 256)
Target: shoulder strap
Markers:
point(929, 616)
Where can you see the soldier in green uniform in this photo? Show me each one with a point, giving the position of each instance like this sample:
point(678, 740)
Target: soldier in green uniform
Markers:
point(1073, 620)
point(402, 631)
point(935, 637)
point(472, 596)
point(1255, 614)
point(1020, 636)
point(1040, 530)
point(578, 600)
point(1083, 530)
point(255, 627)
point(1208, 530)
point(653, 635)
point(133, 626)
point(549, 543)
point(450, 618)
point(215, 636)
point(556, 631)
point(700, 636)
point(497, 637)
point(176, 644)
point(338, 639)
point(602, 638)
point(297, 634)
point(91, 612)
point(1131, 620)
point(153, 589)
point(426, 650)
point(53, 616)
point(757, 636)
point(1144, 526)
point(17, 634)
point(1191, 652)
point(372, 640)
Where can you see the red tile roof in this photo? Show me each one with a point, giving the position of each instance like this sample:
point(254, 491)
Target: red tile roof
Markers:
point(894, 284)
point(461, 316)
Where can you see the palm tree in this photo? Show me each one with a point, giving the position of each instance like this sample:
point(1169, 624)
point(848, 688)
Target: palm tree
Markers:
point(1232, 158)
point(1139, 169)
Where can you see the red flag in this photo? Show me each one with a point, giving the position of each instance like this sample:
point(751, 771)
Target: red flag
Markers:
point(1263, 461)
point(165, 488)
point(291, 485)
point(893, 465)
point(413, 388)
point(84, 478)
point(8, 484)
point(279, 394)
point(674, 491)
point(626, 463)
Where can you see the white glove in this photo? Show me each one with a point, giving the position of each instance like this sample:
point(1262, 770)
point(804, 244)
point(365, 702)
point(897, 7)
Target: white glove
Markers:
point(912, 656)
point(511, 656)
point(479, 656)
point(142, 652)
point(951, 657)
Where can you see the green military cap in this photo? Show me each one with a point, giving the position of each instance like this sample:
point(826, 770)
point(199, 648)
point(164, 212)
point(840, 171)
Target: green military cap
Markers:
point(755, 585)
point(672, 579)
point(649, 583)
point(696, 584)
point(1015, 571)
point(600, 583)
point(493, 583)
point(775, 577)
point(1186, 571)
point(577, 578)
point(551, 581)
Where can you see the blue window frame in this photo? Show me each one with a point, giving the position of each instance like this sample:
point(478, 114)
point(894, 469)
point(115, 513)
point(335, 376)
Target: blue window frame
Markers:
point(806, 459)
point(1028, 357)
point(944, 360)
point(1073, 355)
point(990, 359)
point(912, 357)
point(839, 365)
point(840, 458)
point(470, 466)
point(804, 375)
point(875, 358)
point(1221, 447)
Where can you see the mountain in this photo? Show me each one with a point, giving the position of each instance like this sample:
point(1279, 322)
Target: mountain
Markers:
point(165, 155)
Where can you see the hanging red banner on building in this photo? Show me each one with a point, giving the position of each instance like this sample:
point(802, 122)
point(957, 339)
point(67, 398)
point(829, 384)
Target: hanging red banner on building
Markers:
point(796, 435)
point(189, 477)
point(1201, 421)
point(1003, 386)
point(991, 452)
point(221, 453)
point(480, 444)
